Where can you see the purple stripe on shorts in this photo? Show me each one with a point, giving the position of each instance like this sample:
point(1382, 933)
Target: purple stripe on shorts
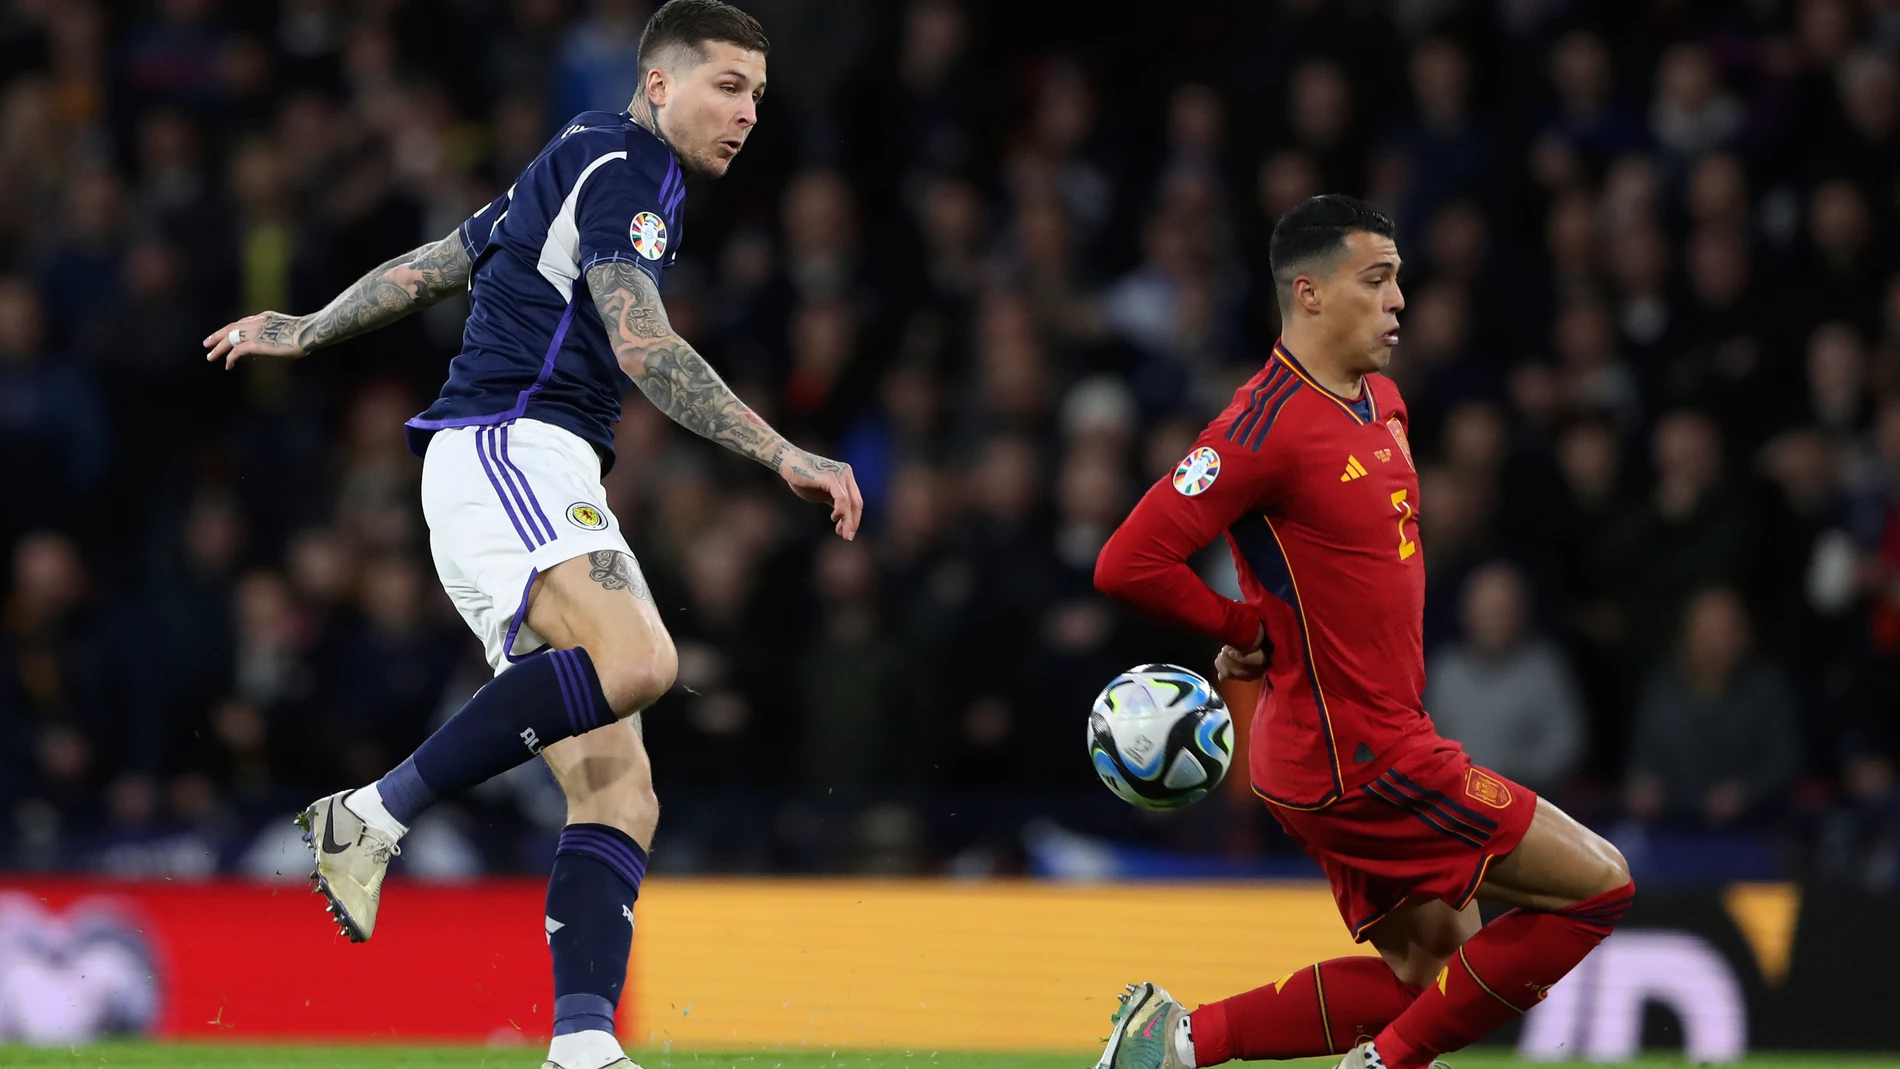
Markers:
point(492, 442)
point(501, 493)
point(514, 625)
point(1477, 818)
point(1432, 805)
point(1428, 817)
point(509, 464)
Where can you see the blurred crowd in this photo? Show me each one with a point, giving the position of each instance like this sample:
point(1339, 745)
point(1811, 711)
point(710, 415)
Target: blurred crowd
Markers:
point(1005, 259)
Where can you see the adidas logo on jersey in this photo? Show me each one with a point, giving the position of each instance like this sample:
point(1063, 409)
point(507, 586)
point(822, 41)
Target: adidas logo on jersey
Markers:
point(1354, 469)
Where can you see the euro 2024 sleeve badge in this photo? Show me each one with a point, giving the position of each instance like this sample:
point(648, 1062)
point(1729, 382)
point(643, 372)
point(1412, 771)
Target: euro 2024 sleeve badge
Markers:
point(648, 234)
point(1196, 472)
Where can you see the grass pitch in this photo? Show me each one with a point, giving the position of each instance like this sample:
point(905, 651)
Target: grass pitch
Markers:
point(233, 1056)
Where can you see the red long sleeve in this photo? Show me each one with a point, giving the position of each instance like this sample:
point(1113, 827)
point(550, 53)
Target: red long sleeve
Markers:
point(1145, 561)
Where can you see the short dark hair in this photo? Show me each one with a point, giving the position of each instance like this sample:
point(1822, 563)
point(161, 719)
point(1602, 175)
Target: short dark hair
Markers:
point(692, 23)
point(1318, 227)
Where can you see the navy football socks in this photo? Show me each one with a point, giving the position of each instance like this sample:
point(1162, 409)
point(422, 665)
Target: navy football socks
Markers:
point(540, 701)
point(597, 873)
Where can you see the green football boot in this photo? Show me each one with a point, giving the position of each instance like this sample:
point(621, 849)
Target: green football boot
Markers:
point(1144, 1031)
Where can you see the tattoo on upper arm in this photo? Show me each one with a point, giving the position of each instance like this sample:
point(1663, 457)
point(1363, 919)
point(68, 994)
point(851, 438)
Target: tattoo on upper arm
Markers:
point(416, 279)
point(615, 570)
point(670, 372)
point(628, 301)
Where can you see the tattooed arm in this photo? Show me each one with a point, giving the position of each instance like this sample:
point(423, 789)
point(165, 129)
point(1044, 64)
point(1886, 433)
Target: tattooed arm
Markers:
point(681, 384)
point(416, 279)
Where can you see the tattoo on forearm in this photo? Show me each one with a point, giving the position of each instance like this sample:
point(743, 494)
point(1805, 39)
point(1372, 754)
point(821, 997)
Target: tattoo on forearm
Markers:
point(614, 570)
point(669, 372)
point(416, 279)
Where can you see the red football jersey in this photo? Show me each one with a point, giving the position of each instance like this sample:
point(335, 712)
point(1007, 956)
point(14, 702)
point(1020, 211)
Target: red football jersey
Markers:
point(1318, 498)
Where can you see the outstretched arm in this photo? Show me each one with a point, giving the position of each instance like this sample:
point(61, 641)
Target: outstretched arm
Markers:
point(681, 384)
point(416, 279)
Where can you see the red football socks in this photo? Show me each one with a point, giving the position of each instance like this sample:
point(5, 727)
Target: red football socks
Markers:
point(1499, 973)
point(1321, 1009)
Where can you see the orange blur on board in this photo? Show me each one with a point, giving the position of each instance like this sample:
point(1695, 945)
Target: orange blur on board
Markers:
point(1001, 965)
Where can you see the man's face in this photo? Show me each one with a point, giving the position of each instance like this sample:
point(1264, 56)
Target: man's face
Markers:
point(707, 108)
point(1359, 302)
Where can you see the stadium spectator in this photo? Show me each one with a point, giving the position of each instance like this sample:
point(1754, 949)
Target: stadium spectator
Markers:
point(50, 410)
point(1694, 531)
point(75, 710)
point(1504, 691)
point(1715, 731)
point(1693, 111)
point(1589, 125)
point(854, 686)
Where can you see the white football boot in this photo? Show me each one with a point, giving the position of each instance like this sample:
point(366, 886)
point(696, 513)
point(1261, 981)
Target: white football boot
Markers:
point(1366, 1056)
point(352, 859)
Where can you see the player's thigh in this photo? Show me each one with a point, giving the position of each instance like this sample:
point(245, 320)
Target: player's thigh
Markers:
point(599, 602)
point(1419, 937)
point(607, 779)
point(1558, 864)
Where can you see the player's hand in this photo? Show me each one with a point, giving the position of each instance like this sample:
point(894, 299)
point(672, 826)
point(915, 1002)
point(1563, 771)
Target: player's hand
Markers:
point(1244, 665)
point(816, 478)
point(264, 334)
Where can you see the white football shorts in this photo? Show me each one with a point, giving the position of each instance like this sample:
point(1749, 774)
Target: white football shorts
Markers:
point(504, 504)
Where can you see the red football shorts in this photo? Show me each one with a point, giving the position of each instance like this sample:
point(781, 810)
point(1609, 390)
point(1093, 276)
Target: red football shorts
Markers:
point(1427, 827)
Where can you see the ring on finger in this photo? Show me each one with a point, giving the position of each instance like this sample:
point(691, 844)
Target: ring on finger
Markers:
point(236, 335)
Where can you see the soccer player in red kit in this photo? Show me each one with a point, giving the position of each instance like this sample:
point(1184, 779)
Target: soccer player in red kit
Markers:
point(1309, 474)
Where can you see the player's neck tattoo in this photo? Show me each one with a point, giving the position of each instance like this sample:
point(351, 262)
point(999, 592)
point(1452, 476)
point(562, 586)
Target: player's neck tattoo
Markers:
point(647, 117)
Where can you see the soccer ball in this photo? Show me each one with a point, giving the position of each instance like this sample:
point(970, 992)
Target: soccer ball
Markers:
point(1160, 737)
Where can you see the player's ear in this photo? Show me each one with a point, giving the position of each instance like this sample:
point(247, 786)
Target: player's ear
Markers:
point(656, 85)
point(1306, 293)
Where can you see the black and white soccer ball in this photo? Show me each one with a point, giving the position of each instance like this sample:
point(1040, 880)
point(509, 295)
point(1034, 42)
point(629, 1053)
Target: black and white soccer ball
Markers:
point(1160, 736)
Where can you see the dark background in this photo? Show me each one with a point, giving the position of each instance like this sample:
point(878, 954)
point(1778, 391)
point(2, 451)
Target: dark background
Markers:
point(1005, 258)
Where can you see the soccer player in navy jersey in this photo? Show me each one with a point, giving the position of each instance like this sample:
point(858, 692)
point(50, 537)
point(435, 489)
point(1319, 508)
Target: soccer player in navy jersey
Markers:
point(563, 272)
point(1308, 474)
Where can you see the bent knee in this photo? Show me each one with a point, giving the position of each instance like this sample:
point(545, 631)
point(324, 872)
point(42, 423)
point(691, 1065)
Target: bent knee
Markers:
point(1612, 867)
point(1619, 869)
point(633, 679)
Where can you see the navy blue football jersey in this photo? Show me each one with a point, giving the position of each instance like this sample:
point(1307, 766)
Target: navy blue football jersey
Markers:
point(605, 189)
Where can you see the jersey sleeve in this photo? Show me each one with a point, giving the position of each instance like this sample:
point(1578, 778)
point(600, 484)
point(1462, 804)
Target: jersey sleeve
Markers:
point(620, 217)
point(478, 228)
point(1145, 561)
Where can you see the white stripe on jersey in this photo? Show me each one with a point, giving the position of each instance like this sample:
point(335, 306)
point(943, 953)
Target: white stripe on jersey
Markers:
point(560, 253)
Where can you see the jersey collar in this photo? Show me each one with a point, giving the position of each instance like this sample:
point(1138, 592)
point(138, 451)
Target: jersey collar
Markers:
point(1285, 356)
